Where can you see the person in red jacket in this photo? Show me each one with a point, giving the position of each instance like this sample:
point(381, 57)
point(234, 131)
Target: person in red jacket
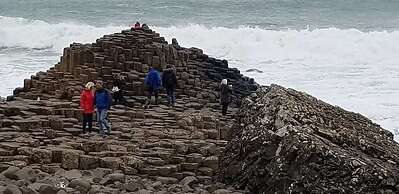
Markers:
point(87, 106)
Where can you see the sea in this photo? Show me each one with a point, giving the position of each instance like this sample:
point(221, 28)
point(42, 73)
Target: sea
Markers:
point(345, 52)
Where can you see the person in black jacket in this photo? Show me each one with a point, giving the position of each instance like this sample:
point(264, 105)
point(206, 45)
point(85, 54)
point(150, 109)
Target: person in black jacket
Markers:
point(225, 95)
point(117, 89)
point(169, 82)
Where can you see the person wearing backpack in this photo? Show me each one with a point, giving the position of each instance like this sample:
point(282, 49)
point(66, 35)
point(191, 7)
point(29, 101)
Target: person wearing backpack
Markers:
point(153, 82)
point(169, 82)
point(103, 102)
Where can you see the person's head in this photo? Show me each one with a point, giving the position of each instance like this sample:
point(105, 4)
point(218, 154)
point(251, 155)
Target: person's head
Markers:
point(89, 85)
point(99, 84)
point(224, 82)
point(154, 69)
point(168, 67)
point(118, 77)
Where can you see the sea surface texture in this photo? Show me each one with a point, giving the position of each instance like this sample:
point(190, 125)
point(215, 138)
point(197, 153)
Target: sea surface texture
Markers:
point(345, 52)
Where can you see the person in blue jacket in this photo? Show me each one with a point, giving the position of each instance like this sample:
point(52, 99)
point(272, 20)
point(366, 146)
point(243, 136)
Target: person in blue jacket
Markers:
point(153, 83)
point(102, 103)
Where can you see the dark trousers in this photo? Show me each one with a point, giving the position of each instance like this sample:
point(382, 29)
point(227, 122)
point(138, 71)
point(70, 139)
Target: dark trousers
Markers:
point(224, 108)
point(118, 97)
point(152, 92)
point(87, 120)
point(171, 96)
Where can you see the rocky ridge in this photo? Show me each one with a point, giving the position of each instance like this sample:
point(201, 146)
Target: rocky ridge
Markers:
point(285, 141)
point(158, 150)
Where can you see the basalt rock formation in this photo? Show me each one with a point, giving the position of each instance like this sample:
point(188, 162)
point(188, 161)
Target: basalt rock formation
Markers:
point(285, 141)
point(279, 141)
point(157, 150)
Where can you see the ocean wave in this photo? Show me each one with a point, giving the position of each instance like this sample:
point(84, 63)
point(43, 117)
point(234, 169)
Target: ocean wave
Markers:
point(351, 68)
point(247, 45)
point(37, 34)
point(251, 46)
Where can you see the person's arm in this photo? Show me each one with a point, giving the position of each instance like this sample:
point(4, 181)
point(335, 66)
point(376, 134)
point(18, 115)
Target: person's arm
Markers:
point(82, 101)
point(146, 79)
point(163, 80)
point(174, 79)
point(95, 99)
point(159, 79)
point(109, 99)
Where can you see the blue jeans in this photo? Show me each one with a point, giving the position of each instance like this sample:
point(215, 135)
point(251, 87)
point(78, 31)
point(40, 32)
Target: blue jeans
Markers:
point(102, 121)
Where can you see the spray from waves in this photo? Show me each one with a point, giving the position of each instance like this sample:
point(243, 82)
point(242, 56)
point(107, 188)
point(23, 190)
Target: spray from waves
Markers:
point(40, 35)
point(354, 69)
point(29, 46)
point(347, 67)
point(254, 46)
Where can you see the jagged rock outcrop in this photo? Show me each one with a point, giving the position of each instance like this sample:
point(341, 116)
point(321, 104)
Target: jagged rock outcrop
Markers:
point(156, 150)
point(285, 141)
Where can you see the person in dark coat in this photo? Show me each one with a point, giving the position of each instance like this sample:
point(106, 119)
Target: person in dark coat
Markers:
point(102, 103)
point(169, 82)
point(225, 95)
point(153, 82)
point(117, 89)
point(145, 27)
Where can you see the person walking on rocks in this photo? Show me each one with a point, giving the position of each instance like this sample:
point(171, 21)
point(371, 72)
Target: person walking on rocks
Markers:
point(169, 82)
point(102, 103)
point(225, 95)
point(87, 106)
point(118, 84)
point(153, 83)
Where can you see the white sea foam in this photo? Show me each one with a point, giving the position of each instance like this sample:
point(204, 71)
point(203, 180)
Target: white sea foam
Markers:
point(356, 70)
point(36, 34)
point(29, 46)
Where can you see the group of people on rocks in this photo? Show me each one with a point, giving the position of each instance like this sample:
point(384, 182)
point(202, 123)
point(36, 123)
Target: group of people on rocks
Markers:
point(154, 82)
point(137, 26)
point(96, 99)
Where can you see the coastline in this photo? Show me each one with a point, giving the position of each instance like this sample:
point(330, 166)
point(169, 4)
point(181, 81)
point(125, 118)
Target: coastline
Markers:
point(155, 150)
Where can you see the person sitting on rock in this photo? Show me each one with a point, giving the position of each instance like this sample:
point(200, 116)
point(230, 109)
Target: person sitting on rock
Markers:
point(118, 84)
point(169, 82)
point(153, 83)
point(145, 27)
point(87, 106)
point(137, 26)
point(225, 95)
point(102, 103)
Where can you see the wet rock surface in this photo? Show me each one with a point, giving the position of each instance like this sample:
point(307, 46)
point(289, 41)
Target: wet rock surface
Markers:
point(155, 150)
point(285, 141)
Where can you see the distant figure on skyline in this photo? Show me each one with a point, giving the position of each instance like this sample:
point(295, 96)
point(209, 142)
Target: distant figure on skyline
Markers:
point(137, 26)
point(145, 27)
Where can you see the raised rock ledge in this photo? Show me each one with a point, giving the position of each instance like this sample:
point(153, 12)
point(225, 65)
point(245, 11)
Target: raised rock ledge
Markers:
point(286, 141)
